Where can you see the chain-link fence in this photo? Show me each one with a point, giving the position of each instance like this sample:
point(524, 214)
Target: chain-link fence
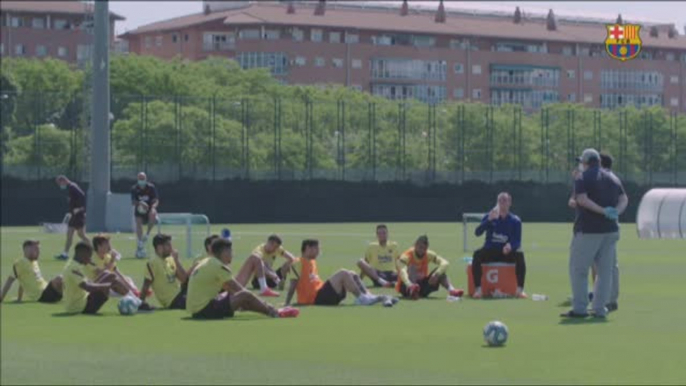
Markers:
point(210, 138)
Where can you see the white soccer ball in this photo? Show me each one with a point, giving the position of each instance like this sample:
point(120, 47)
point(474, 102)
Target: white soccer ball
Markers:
point(496, 333)
point(142, 207)
point(128, 305)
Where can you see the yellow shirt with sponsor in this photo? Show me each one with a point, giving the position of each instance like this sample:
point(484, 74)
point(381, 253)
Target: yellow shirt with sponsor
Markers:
point(382, 258)
point(162, 273)
point(90, 270)
point(199, 259)
point(205, 283)
point(75, 297)
point(27, 272)
point(268, 258)
point(104, 262)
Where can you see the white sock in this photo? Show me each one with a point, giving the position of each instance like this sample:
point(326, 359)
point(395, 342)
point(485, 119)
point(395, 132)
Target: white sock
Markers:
point(520, 289)
point(263, 283)
point(451, 288)
point(477, 290)
point(382, 281)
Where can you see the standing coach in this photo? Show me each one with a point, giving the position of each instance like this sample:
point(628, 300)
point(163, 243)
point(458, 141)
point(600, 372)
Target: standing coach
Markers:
point(601, 199)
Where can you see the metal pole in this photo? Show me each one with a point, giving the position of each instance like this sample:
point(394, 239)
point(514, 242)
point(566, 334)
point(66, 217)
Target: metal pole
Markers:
point(99, 187)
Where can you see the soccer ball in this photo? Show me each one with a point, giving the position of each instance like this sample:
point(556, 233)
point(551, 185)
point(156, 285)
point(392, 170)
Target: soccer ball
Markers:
point(496, 333)
point(128, 305)
point(142, 207)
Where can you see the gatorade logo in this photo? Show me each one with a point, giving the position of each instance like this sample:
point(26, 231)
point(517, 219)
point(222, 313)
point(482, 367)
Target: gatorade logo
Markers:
point(492, 276)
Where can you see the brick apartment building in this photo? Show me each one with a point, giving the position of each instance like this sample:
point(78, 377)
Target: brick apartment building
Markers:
point(58, 29)
point(402, 52)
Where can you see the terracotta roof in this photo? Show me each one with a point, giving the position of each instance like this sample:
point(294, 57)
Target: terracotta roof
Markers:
point(415, 22)
point(67, 7)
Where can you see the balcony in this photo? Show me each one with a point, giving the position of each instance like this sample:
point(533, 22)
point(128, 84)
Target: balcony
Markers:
point(219, 46)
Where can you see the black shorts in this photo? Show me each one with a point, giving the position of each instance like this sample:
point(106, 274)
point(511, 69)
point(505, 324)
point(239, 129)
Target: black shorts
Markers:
point(77, 221)
point(95, 301)
point(327, 296)
point(179, 302)
point(424, 288)
point(389, 276)
point(50, 295)
point(143, 216)
point(217, 308)
point(270, 283)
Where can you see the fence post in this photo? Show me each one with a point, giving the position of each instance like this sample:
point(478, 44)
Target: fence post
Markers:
point(519, 129)
point(463, 140)
point(179, 123)
point(343, 138)
point(673, 124)
point(213, 139)
point(309, 136)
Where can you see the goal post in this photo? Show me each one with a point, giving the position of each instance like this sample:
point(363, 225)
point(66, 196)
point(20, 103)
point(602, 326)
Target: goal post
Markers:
point(194, 229)
point(468, 237)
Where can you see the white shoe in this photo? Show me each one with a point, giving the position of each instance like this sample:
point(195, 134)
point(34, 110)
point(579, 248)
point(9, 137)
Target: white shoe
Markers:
point(368, 300)
point(140, 253)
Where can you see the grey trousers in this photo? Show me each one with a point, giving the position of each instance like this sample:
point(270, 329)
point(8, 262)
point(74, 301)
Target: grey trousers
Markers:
point(587, 249)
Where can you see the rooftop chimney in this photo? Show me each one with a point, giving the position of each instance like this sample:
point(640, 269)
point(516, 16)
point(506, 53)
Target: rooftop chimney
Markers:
point(440, 14)
point(551, 23)
point(405, 9)
point(321, 8)
point(291, 8)
point(653, 32)
point(619, 19)
point(517, 16)
point(206, 9)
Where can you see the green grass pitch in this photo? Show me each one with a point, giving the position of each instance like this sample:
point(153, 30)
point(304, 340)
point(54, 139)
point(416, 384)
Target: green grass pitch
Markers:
point(429, 341)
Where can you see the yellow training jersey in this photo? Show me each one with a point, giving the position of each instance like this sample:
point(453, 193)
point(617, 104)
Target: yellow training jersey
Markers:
point(28, 274)
point(102, 263)
point(205, 283)
point(268, 258)
point(162, 273)
point(382, 258)
point(75, 297)
point(199, 259)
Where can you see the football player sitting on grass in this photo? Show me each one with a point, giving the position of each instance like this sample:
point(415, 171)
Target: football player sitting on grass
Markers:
point(312, 290)
point(260, 265)
point(413, 272)
point(379, 260)
point(106, 259)
point(32, 286)
point(214, 275)
point(164, 273)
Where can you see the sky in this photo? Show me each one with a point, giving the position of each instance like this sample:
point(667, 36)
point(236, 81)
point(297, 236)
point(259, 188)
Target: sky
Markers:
point(138, 13)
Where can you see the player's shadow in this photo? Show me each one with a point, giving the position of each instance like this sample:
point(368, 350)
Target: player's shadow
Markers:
point(246, 318)
point(66, 314)
point(492, 347)
point(578, 321)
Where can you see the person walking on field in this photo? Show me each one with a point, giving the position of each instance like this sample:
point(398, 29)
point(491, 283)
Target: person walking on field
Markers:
point(77, 214)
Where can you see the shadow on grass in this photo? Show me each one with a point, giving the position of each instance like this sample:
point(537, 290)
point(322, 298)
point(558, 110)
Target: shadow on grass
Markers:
point(242, 318)
point(566, 303)
point(492, 347)
point(66, 314)
point(577, 321)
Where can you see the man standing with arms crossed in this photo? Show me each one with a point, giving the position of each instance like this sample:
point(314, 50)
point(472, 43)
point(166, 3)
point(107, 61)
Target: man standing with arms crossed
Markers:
point(601, 199)
point(145, 201)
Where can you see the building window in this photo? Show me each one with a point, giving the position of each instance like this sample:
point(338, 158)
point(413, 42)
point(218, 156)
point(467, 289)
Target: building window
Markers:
point(670, 57)
point(422, 92)
point(476, 69)
point(316, 35)
point(571, 97)
point(2, 49)
point(646, 55)
point(571, 74)
point(409, 69)
point(338, 63)
point(506, 75)
point(218, 41)
point(38, 22)
point(523, 97)
point(423, 41)
point(148, 41)
point(459, 68)
point(60, 24)
point(41, 50)
point(276, 62)
point(356, 87)
point(588, 75)
point(588, 98)
point(352, 38)
point(158, 41)
point(185, 37)
point(519, 47)
point(300, 61)
point(249, 34)
point(272, 34)
point(298, 34)
point(19, 50)
point(62, 51)
point(82, 52)
point(458, 93)
point(674, 79)
point(319, 62)
point(16, 22)
point(567, 51)
point(357, 63)
point(632, 80)
point(674, 102)
point(175, 38)
point(334, 37)
point(476, 93)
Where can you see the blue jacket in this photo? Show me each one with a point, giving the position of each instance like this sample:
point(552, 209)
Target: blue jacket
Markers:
point(501, 231)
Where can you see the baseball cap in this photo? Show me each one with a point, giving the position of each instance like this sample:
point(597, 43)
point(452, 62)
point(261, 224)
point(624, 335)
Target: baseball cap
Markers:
point(588, 155)
point(29, 243)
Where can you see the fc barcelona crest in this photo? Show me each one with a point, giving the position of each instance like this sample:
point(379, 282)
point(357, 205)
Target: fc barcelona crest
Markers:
point(623, 41)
